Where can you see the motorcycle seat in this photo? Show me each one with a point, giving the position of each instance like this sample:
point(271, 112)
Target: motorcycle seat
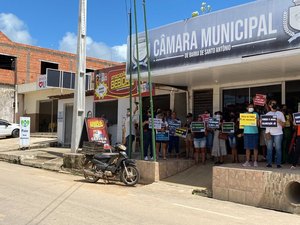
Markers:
point(101, 156)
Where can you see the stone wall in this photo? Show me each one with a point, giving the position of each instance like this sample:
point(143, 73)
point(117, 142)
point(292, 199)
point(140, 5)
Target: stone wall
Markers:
point(257, 187)
point(6, 102)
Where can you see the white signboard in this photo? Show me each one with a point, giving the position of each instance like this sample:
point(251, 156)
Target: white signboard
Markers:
point(156, 122)
point(24, 132)
point(42, 82)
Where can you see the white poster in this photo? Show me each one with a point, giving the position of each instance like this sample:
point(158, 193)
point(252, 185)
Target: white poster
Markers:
point(24, 132)
point(157, 123)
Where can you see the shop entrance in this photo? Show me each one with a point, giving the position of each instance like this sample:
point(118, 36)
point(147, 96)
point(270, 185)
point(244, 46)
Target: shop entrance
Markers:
point(236, 100)
point(159, 101)
point(68, 124)
point(48, 116)
point(203, 100)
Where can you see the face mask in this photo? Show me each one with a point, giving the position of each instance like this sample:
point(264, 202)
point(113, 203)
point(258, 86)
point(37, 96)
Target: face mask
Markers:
point(274, 106)
point(218, 117)
point(251, 110)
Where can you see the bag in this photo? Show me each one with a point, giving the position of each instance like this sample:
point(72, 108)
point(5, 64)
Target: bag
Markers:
point(223, 136)
point(268, 136)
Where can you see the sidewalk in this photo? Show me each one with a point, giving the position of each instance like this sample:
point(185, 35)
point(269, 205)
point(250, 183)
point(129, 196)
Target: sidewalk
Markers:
point(40, 154)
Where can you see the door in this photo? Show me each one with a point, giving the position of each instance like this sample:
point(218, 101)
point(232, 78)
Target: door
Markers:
point(68, 125)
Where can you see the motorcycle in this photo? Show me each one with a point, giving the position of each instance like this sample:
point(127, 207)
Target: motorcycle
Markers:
point(111, 166)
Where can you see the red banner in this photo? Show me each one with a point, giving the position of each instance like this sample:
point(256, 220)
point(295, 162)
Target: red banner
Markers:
point(260, 100)
point(97, 130)
point(112, 84)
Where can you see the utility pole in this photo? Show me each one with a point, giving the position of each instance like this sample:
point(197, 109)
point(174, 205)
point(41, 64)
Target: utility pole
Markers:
point(79, 95)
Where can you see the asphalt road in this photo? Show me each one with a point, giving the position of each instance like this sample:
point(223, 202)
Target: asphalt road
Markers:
point(30, 196)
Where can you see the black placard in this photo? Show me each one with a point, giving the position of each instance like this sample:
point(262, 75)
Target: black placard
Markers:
point(296, 118)
point(268, 121)
point(228, 127)
point(197, 127)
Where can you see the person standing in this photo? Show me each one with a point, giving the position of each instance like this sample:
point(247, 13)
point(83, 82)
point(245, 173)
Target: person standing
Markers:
point(219, 142)
point(251, 138)
point(274, 135)
point(295, 152)
point(147, 135)
point(189, 138)
point(162, 144)
point(127, 125)
point(174, 123)
point(200, 143)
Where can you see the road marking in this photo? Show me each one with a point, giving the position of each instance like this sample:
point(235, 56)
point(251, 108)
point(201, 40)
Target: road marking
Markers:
point(208, 211)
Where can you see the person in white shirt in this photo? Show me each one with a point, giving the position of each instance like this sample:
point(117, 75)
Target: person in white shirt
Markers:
point(127, 128)
point(274, 135)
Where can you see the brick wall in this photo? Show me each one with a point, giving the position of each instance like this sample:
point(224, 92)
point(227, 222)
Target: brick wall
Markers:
point(29, 61)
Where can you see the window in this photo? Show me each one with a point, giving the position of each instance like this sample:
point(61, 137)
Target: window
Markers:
point(7, 62)
point(46, 65)
point(293, 95)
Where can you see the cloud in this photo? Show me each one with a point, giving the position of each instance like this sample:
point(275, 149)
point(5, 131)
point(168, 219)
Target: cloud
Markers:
point(15, 29)
point(94, 49)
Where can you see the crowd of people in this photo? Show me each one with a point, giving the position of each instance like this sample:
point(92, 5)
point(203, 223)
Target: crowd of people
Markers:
point(249, 140)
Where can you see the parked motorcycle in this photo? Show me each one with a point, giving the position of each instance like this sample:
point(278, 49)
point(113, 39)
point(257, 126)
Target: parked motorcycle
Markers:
point(111, 166)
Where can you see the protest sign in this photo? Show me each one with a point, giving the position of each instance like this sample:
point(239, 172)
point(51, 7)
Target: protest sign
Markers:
point(198, 127)
point(228, 127)
point(268, 121)
point(213, 123)
point(248, 119)
point(156, 122)
point(260, 100)
point(205, 117)
point(181, 132)
point(162, 136)
point(296, 118)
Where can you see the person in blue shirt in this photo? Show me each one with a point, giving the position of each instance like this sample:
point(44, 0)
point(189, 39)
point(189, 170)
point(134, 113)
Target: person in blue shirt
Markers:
point(251, 138)
point(173, 123)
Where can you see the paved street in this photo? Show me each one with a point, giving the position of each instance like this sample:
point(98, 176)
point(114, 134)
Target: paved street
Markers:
point(31, 196)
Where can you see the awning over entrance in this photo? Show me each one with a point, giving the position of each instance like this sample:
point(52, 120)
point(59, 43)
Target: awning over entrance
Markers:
point(261, 67)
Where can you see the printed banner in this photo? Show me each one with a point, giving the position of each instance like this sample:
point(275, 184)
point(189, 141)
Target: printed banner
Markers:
point(97, 130)
point(228, 127)
point(162, 136)
point(296, 118)
point(198, 127)
point(248, 119)
point(260, 100)
point(24, 132)
point(268, 121)
point(112, 83)
point(213, 123)
point(181, 132)
point(255, 28)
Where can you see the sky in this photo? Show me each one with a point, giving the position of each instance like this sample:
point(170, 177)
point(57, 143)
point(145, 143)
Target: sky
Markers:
point(53, 24)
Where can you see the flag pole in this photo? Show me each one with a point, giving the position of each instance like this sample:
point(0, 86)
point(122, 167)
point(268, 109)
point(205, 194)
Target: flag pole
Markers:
point(149, 82)
point(139, 83)
point(130, 85)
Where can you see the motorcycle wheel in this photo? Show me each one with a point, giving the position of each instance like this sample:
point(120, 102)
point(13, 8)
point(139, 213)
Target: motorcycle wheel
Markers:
point(92, 167)
point(133, 176)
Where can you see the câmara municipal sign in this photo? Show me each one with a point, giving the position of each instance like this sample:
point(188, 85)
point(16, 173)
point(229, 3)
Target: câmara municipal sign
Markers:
point(255, 28)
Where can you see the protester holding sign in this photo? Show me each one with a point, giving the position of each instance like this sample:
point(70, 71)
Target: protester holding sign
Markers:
point(174, 123)
point(274, 135)
point(189, 138)
point(295, 150)
point(130, 132)
point(147, 135)
point(219, 141)
point(199, 142)
point(251, 137)
point(162, 136)
point(287, 133)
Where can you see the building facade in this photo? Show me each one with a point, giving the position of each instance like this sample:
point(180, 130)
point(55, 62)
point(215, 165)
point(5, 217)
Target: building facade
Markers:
point(21, 67)
point(225, 58)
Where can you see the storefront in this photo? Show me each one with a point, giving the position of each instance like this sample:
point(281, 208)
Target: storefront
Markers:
point(225, 58)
